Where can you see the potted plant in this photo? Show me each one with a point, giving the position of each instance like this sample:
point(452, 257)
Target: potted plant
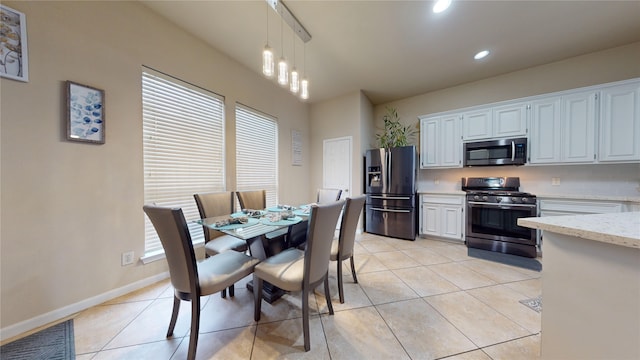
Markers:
point(394, 134)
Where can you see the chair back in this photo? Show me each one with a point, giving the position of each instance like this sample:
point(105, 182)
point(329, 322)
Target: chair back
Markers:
point(172, 229)
point(352, 210)
point(256, 200)
point(214, 204)
point(322, 224)
point(328, 195)
point(297, 234)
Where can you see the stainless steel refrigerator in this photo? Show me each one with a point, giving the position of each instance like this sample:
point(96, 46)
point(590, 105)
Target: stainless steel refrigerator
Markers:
point(390, 188)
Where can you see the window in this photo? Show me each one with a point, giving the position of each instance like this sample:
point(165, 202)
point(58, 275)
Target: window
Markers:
point(256, 152)
point(183, 147)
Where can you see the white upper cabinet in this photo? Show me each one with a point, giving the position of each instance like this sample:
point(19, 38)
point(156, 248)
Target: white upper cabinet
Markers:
point(495, 122)
point(440, 143)
point(477, 124)
point(578, 128)
point(544, 138)
point(510, 120)
point(620, 123)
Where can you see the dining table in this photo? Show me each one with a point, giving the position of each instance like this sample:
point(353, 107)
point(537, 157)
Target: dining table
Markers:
point(253, 226)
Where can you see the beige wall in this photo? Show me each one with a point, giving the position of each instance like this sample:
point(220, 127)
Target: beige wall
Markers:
point(70, 209)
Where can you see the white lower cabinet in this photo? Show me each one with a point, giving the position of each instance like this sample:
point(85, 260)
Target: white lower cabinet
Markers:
point(441, 216)
point(555, 207)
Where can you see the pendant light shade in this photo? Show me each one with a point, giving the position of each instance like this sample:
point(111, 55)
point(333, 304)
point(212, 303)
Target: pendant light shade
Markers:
point(283, 72)
point(268, 64)
point(294, 86)
point(304, 89)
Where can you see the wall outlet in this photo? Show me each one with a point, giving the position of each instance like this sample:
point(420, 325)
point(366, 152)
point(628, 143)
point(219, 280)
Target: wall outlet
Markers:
point(555, 181)
point(127, 258)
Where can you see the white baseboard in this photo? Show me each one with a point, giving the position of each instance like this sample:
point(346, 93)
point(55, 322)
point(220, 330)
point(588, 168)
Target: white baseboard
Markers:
point(40, 320)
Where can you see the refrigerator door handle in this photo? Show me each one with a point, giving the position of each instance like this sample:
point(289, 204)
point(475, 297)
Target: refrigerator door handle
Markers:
point(390, 197)
point(389, 171)
point(391, 210)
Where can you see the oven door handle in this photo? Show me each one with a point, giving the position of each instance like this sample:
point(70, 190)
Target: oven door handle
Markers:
point(391, 210)
point(502, 206)
point(513, 150)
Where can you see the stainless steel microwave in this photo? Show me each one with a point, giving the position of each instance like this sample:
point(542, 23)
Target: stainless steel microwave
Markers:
point(496, 152)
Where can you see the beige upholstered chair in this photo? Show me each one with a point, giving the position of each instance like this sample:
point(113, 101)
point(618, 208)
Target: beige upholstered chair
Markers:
point(298, 270)
point(215, 242)
point(256, 200)
point(342, 247)
point(192, 279)
point(328, 195)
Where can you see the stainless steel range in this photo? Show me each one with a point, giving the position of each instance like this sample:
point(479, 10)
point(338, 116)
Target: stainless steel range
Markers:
point(493, 208)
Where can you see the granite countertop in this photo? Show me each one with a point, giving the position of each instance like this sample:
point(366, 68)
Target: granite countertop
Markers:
point(616, 228)
point(633, 199)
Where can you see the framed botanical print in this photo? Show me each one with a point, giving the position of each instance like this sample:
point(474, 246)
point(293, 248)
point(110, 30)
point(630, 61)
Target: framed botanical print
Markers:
point(85, 113)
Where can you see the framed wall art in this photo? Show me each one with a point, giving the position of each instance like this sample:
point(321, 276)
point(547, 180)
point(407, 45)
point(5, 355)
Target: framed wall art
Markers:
point(85, 113)
point(14, 63)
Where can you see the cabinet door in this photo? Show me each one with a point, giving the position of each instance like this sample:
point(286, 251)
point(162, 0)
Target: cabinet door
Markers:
point(450, 147)
point(451, 223)
point(477, 125)
point(430, 220)
point(545, 139)
point(578, 133)
point(510, 120)
point(620, 123)
point(429, 141)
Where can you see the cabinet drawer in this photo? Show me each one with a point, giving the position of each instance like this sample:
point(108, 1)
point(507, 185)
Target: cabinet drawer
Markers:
point(579, 207)
point(443, 199)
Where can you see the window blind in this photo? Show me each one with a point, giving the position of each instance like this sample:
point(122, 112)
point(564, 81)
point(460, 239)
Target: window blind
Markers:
point(183, 141)
point(256, 152)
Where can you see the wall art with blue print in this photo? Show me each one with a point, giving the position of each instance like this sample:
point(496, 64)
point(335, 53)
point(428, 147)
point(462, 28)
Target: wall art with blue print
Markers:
point(85, 110)
point(14, 62)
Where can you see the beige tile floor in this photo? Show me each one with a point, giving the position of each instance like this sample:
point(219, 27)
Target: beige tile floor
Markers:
point(422, 299)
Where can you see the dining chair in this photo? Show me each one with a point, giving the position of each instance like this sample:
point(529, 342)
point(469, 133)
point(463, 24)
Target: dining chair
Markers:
point(191, 279)
point(215, 242)
point(342, 247)
point(255, 200)
point(328, 195)
point(302, 270)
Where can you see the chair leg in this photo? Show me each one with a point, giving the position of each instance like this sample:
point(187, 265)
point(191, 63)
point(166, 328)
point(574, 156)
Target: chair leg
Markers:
point(353, 270)
point(232, 290)
point(327, 294)
point(195, 327)
point(174, 315)
point(223, 293)
point(305, 318)
point(340, 288)
point(257, 297)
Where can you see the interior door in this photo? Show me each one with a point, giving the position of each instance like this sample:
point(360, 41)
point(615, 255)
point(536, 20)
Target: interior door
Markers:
point(336, 166)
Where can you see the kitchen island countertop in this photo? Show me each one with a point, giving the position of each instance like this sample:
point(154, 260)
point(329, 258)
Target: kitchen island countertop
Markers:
point(616, 228)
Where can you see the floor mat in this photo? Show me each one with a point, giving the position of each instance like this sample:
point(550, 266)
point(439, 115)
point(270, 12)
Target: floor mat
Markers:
point(53, 343)
point(534, 304)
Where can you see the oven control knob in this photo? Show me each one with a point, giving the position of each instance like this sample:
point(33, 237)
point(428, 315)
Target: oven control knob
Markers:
point(485, 198)
point(524, 199)
point(514, 199)
point(498, 198)
point(476, 197)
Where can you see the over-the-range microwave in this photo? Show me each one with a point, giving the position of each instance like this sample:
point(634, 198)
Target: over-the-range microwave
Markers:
point(496, 152)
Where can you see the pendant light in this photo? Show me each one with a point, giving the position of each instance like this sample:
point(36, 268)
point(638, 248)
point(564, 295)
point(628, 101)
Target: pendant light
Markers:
point(304, 83)
point(283, 67)
point(268, 65)
point(294, 85)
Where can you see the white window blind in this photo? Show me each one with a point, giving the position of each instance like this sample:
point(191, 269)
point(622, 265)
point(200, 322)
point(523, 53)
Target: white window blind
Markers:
point(256, 152)
point(183, 141)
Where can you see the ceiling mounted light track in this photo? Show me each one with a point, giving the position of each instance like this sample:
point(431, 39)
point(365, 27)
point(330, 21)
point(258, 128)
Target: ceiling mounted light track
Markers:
point(296, 85)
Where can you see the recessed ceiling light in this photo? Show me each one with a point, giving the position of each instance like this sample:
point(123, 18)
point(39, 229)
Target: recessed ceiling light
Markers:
point(441, 5)
point(481, 54)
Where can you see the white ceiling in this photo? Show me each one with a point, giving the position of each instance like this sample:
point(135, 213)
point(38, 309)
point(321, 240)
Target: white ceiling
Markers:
point(396, 49)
